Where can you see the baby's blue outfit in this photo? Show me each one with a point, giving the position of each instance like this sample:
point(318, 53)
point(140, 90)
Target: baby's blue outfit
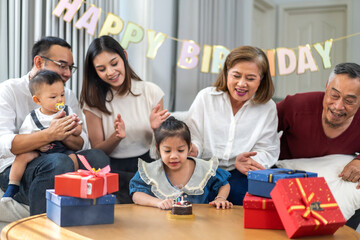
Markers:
point(205, 181)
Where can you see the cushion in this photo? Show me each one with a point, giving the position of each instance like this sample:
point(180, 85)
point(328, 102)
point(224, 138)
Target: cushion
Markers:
point(12, 210)
point(329, 167)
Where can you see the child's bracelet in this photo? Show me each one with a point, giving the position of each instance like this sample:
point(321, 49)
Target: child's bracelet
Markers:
point(220, 197)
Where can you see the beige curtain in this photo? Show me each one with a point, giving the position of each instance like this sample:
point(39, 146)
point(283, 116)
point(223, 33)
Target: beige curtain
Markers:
point(23, 22)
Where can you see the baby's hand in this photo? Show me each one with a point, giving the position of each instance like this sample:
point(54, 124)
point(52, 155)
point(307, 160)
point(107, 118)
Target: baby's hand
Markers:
point(78, 127)
point(221, 203)
point(46, 147)
point(165, 204)
point(76, 119)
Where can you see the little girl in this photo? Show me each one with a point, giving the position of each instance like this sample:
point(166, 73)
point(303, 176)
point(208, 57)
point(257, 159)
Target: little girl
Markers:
point(159, 183)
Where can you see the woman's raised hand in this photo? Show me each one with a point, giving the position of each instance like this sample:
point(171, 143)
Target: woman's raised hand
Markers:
point(119, 126)
point(158, 116)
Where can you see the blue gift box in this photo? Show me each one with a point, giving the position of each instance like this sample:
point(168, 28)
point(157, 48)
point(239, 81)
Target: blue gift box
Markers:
point(261, 182)
point(71, 211)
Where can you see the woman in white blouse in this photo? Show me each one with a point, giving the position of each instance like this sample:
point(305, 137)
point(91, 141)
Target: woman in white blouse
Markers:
point(236, 120)
point(121, 110)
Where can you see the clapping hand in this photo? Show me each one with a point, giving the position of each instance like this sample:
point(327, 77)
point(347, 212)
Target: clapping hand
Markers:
point(157, 117)
point(245, 163)
point(62, 126)
point(119, 126)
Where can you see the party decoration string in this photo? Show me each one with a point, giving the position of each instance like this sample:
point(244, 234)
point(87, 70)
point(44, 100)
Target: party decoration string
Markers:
point(213, 56)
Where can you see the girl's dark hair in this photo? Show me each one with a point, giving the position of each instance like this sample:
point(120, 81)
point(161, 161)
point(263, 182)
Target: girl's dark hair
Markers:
point(94, 90)
point(43, 77)
point(172, 127)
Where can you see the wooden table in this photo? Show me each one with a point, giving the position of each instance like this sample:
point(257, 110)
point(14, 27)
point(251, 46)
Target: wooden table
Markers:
point(138, 222)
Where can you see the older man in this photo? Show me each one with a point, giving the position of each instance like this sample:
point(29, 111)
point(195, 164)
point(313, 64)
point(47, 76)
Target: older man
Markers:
point(316, 124)
point(16, 102)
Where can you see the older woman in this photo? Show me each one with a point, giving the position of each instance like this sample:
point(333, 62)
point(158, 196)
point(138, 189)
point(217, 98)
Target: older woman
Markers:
point(236, 120)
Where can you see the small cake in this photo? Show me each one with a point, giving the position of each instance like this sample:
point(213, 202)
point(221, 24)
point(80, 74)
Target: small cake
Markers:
point(182, 208)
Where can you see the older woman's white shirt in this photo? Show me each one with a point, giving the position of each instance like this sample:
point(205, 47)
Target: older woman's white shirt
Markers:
point(217, 132)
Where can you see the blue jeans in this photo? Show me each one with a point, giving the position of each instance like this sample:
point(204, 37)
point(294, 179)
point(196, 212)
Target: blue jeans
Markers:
point(238, 187)
point(40, 173)
point(126, 168)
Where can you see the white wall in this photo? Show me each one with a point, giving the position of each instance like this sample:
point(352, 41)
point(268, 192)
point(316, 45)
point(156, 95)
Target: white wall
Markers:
point(215, 22)
point(157, 15)
point(161, 69)
point(353, 42)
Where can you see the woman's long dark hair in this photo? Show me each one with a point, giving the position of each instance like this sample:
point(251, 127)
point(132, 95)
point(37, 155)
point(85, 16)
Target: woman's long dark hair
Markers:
point(94, 89)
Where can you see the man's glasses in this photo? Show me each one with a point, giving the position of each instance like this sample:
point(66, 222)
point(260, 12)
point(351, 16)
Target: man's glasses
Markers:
point(63, 67)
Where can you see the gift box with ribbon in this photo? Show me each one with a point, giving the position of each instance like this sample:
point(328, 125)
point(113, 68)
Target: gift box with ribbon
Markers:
point(88, 183)
point(70, 211)
point(261, 182)
point(260, 213)
point(306, 207)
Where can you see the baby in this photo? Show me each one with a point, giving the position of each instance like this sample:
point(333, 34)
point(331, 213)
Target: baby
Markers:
point(47, 89)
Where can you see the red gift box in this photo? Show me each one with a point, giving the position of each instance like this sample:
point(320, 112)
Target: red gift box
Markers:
point(306, 207)
point(261, 213)
point(87, 183)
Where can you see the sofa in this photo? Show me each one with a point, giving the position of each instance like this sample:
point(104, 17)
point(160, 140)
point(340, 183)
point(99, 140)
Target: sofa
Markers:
point(11, 211)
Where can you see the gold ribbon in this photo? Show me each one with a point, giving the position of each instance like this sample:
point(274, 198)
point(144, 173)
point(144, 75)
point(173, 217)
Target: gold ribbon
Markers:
point(307, 203)
point(264, 203)
point(288, 172)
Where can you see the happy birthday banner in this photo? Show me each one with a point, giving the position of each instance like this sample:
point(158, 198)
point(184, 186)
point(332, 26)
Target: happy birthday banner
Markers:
point(213, 56)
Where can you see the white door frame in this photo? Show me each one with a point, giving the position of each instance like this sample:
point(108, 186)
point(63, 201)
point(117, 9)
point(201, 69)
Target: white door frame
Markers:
point(269, 8)
point(284, 8)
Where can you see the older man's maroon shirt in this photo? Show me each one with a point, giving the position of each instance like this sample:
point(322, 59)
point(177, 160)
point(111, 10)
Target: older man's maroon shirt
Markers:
point(303, 134)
